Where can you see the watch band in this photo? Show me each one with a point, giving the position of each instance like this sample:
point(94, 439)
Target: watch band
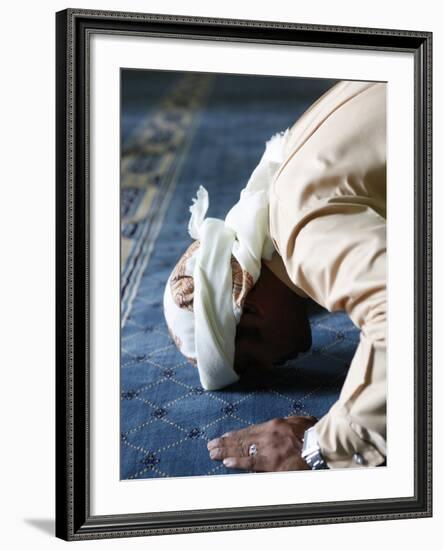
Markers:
point(311, 452)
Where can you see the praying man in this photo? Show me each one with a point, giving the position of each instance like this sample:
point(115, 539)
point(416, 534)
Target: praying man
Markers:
point(310, 223)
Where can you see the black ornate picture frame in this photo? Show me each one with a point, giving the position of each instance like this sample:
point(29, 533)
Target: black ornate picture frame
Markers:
point(74, 28)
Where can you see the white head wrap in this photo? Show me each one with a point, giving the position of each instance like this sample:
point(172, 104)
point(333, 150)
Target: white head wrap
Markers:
point(204, 294)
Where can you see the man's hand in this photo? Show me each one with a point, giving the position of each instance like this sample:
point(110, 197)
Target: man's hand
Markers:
point(278, 444)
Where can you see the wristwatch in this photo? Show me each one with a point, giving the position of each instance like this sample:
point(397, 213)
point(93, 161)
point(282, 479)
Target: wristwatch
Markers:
point(311, 452)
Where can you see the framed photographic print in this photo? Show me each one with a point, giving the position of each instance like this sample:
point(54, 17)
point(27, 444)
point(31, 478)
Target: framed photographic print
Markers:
point(243, 274)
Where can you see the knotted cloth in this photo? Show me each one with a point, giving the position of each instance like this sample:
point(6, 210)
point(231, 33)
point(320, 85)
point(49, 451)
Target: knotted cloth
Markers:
point(204, 295)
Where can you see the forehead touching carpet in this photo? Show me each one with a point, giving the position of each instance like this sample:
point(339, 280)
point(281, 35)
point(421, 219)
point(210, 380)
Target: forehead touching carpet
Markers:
point(179, 131)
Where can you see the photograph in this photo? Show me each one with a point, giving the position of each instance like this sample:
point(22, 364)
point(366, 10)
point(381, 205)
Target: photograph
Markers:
point(244, 302)
point(221, 242)
point(253, 274)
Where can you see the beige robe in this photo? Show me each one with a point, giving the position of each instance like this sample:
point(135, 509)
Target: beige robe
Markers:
point(328, 223)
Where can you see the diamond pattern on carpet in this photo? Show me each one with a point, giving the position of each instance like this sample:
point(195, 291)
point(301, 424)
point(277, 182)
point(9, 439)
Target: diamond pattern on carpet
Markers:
point(166, 418)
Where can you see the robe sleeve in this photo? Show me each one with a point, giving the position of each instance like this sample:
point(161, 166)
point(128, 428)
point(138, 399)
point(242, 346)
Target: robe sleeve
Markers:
point(339, 260)
point(328, 223)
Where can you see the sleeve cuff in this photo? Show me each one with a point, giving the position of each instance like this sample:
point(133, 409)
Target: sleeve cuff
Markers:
point(341, 442)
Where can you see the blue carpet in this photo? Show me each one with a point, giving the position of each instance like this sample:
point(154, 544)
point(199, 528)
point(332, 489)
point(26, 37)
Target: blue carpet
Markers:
point(180, 131)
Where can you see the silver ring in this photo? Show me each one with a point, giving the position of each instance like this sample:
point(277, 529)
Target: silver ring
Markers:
point(252, 451)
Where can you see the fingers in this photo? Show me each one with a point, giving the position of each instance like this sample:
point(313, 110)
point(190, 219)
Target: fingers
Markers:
point(219, 453)
point(244, 433)
point(240, 435)
point(237, 443)
point(225, 446)
point(251, 463)
point(278, 445)
point(237, 439)
point(234, 449)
